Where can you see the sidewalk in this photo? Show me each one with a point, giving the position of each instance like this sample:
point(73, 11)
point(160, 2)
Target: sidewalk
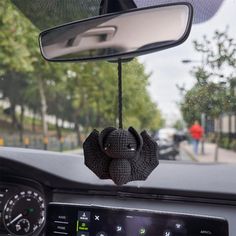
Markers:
point(224, 156)
point(78, 151)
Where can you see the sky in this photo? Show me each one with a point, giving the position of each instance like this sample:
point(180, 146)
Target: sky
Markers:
point(168, 70)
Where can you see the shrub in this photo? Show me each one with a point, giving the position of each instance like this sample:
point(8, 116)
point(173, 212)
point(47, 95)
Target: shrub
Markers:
point(224, 143)
point(233, 145)
point(211, 137)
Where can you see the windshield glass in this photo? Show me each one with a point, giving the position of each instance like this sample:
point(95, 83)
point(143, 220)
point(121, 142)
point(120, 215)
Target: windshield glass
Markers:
point(185, 97)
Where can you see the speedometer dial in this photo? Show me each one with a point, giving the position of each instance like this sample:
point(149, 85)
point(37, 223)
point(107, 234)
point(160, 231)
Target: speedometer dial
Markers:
point(24, 213)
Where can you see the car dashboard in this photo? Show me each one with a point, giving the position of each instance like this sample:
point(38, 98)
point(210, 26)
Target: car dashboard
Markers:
point(46, 193)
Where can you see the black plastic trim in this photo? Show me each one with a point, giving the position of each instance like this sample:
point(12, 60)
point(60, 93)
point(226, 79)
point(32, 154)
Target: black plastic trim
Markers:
point(157, 197)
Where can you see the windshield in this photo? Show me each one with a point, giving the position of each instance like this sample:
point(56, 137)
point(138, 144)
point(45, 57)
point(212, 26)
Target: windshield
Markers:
point(185, 97)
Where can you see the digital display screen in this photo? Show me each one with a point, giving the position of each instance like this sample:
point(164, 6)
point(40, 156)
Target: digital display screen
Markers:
point(99, 221)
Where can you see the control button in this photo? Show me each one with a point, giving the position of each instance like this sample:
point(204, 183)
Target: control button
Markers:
point(61, 227)
point(59, 233)
point(167, 233)
point(61, 222)
point(81, 233)
point(83, 226)
point(178, 226)
point(97, 218)
point(101, 234)
point(142, 231)
point(62, 218)
point(119, 228)
point(84, 216)
point(206, 232)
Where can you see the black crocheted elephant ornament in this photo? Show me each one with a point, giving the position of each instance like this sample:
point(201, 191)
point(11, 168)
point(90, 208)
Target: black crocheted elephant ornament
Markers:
point(121, 155)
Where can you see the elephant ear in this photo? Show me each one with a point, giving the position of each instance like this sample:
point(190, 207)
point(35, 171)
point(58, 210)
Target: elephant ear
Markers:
point(103, 135)
point(138, 137)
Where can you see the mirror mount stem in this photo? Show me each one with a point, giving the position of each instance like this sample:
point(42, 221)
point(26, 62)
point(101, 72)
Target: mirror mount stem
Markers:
point(112, 6)
point(120, 98)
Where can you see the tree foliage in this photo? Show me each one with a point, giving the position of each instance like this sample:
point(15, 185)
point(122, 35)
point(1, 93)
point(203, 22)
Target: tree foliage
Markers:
point(213, 93)
point(208, 99)
point(84, 94)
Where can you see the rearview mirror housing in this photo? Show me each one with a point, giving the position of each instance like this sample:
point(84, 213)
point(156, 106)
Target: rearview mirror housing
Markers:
point(122, 35)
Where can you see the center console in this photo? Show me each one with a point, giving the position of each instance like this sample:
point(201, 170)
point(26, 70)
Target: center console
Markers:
point(81, 220)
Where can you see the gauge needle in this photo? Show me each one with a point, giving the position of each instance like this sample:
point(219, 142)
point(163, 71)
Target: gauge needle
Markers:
point(15, 219)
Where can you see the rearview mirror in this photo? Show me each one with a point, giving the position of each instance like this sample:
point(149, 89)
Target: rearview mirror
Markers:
point(120, 35)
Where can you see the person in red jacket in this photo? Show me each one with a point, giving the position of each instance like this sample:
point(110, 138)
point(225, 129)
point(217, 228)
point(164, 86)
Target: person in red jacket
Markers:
point(196, 132)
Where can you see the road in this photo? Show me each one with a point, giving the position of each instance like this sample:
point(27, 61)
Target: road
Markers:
point(185, 156)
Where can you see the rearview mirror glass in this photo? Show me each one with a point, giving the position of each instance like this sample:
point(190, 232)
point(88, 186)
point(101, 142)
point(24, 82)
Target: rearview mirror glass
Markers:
point(119, 35)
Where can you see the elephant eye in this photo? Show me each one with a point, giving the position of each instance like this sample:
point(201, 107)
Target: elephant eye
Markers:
point(129, 146)
point(108, 145)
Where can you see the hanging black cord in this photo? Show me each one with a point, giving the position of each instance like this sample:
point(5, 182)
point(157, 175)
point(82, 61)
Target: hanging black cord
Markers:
point(120, 115)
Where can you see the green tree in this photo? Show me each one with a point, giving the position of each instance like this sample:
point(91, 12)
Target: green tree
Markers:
point(208, 99)
point(14, 55)
point(213, 93)
point(84, 94)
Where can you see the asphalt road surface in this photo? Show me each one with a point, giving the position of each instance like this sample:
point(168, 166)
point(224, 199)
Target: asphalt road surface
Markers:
point(183, 155)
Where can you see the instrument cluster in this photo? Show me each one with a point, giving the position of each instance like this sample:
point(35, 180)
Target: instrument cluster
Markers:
point(22, 209)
